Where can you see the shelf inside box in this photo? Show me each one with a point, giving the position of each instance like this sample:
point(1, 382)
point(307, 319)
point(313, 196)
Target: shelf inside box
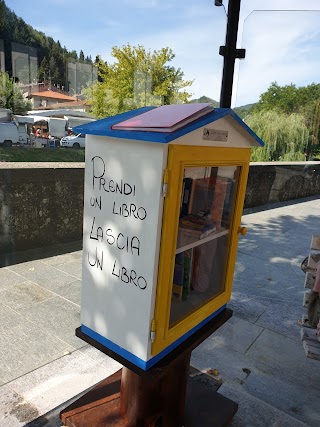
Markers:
point(185, 245)
point(199, 275)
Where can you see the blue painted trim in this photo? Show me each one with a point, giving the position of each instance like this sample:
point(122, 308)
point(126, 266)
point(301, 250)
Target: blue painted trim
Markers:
point(175, 344)
point(114, 347)
point(145, 365)
point(103, 127)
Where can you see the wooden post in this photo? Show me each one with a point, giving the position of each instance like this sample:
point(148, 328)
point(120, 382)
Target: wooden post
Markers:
point(154, 402)
point(163, 396)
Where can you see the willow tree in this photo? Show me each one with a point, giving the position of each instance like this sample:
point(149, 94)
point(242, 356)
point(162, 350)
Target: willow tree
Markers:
point(285, 136)
point(289, 99)
point(136, 78)
point(311, 112)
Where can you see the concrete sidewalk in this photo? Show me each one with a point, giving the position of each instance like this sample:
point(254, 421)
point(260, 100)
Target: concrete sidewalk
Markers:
point(258, 353)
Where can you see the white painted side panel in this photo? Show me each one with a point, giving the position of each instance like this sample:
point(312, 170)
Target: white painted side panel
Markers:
point(237, 136)
point(121, 239)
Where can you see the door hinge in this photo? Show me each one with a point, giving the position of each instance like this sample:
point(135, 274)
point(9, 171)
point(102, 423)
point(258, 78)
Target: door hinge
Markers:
point(165, 183)
point(153, 331)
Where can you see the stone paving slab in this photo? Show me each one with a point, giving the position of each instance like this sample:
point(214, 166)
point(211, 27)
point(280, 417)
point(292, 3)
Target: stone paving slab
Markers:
point(253, 412)
point(54, 384)
point(247, 306)
point(232, 365)
point(9, 318)
point(237, 334)
point(298, 400)
point(63, 259)
point(71, 292)
point(282, 317)
point(59, 316)
point(74, 268)
point(44, 275)
point(270, 279)
point(24, 295)
point(8, 277)
point(287, 355)
point(14, 411)
point(27, 347)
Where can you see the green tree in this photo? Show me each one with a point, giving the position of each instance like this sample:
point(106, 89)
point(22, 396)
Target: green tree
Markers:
point(136, 78)
point(3, 21)
point(11, 96)
point(101, 100)
point(285, 136)
point(81, 56)
point(73, 55)
point(289, 99)
point(281, 98)
point(53, 68)
point(43, 71)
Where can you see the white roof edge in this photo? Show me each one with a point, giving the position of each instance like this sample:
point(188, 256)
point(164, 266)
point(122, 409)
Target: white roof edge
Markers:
point(62, 112)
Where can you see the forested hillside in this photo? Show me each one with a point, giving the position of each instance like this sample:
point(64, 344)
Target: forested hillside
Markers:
point(52, 57)
point(206, 99)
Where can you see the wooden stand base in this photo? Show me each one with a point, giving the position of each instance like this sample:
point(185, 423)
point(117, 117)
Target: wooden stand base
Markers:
point(100, 407)
point(164, 396)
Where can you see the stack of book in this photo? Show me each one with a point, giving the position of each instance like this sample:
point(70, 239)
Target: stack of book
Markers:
point(206, 205)
point(196, 226)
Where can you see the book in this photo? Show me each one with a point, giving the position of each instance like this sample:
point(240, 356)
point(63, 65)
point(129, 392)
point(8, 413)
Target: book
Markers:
point(206, 270)
point(192, 193)
point(178, 275)
point(219, 200)
point(228, 204)
point(182, 274)
point(195, 226)
point(186, 196)
point(187, 266)
point(203, 195)
point(178, 269)
point(195, 267)
point(166, 118)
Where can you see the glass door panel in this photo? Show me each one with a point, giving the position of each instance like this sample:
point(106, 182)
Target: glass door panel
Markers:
point(206, 209)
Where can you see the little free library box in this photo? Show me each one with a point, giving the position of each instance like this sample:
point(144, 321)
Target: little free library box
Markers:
point(164, 193)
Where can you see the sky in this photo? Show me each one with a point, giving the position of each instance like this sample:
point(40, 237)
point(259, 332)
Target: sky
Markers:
point(281, 37)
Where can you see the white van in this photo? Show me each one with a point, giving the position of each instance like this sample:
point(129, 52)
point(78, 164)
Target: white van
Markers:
point(10, 134)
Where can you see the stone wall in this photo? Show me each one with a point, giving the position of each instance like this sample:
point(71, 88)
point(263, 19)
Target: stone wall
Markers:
point(279, 181)
point(42, 204)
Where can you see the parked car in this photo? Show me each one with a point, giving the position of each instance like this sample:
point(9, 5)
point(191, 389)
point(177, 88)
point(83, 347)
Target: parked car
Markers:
point(74, 141)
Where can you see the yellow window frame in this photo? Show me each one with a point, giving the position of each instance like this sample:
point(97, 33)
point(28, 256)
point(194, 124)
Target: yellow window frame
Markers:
point(180, 157)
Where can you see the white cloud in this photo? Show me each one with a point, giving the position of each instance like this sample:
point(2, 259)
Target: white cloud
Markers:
point(282, 47)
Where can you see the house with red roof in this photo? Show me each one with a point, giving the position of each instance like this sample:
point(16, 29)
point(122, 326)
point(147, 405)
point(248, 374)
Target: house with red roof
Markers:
point(49, 97)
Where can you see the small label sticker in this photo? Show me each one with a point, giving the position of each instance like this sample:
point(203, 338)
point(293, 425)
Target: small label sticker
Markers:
point(215, 135)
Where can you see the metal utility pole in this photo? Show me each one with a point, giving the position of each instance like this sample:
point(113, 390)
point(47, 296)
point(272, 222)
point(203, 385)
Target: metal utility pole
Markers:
point(230, 51)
